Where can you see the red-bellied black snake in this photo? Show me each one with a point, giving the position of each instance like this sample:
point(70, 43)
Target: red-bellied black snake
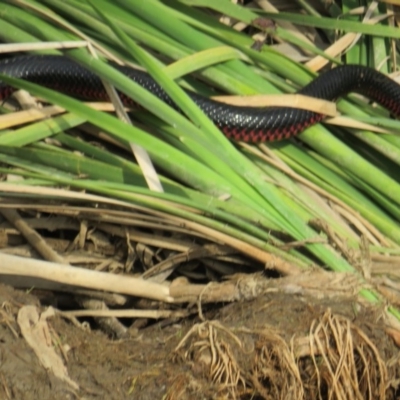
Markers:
point(250, 124)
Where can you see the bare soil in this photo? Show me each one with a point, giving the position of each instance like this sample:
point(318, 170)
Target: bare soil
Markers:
point(232, 353)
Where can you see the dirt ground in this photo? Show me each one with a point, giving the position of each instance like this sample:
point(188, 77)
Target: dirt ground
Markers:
point(239, 350)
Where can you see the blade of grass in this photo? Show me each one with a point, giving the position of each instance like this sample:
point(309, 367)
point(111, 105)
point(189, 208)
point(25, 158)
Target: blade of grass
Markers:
point(40, 130)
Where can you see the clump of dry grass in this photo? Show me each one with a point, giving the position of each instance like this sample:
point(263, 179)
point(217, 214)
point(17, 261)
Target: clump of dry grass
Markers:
point(209, 347)
point(345, 362)
point(275, 373)
point(335, 360)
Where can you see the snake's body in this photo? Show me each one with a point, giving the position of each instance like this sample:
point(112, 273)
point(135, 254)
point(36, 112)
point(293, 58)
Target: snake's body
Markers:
point(249, 124)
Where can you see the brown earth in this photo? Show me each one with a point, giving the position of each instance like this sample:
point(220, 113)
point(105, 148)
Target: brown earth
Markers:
point(241, 350)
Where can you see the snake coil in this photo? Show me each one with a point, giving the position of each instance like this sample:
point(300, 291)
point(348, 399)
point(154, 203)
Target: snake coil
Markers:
point(249, 124)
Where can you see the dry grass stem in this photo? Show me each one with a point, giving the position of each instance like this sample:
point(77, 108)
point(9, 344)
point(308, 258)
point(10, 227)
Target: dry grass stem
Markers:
point(319, 284)
point(293, 100)
point(17, 47)
point(33, 238)
point(125, 313)
point(11, 265)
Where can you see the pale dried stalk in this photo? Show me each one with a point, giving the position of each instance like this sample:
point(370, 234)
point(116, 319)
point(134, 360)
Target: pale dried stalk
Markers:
point(12, 265)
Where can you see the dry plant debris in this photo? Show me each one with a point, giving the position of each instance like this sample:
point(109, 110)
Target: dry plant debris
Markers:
point(336, 360)
point(36, 332)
